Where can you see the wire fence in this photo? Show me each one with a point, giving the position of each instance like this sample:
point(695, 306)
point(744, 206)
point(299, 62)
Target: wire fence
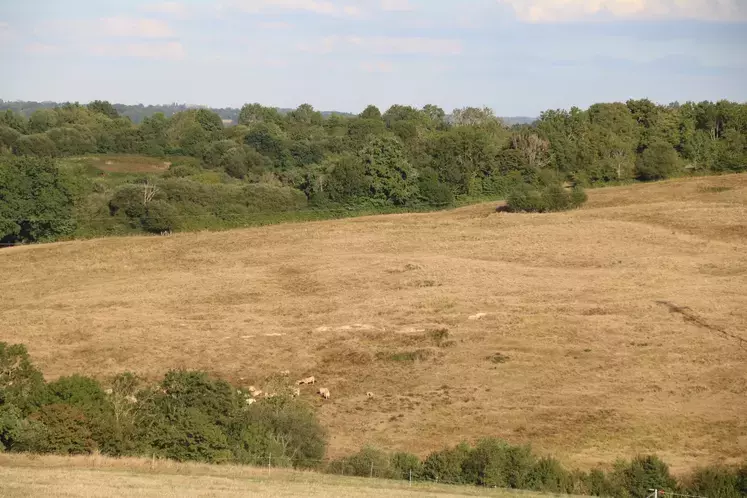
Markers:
point(271, 465)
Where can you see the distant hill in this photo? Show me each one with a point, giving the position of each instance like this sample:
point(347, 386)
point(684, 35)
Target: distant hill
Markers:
point(230, 115)
point(518, 120)
point(139, 112)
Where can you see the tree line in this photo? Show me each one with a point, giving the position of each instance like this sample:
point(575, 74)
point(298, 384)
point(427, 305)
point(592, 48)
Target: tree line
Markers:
point(278, 162)
point(190, 416)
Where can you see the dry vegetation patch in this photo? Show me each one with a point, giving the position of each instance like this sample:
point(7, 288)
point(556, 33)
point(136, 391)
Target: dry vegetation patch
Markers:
point(597, 368)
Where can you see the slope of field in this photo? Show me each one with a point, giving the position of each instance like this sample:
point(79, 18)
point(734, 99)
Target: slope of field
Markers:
point(593, 334)
point(122, 163)
point(53, 476)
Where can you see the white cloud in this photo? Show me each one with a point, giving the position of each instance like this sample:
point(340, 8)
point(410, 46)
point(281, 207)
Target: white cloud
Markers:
point(548, 11)
point(396, 5)
point(275, 25)
point(168, 51)
point(377, 67)
point(42, 49)
point(135, 27)
point(324, 7)
point(175, 9)
point(383, 45)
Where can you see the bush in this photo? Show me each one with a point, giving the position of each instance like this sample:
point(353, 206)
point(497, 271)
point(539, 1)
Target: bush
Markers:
point(8, 138)
point(657, 162)
point(549, 476)
point(641, 474)
point(35, 145)
point(715, 482)
point(262, 197)
point(368, 462)
point(446, 465)
point(406, 464)
point(547, 198)
point(72, 141)
point(63, 429)
point(21, 384)
point(159, 216)
point(433, 192)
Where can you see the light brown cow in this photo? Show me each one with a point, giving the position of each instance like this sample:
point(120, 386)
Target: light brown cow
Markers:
point(307, 380)
point(324, 392)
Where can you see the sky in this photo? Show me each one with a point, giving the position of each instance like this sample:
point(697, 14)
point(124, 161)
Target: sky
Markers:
point(518, 57)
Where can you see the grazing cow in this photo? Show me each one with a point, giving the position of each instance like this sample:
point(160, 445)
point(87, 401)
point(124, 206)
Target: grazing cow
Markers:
point(257, 393)
point(250, 401)
point(285, 373)
point(324, 392)
point(108, 391)
point(296, 392)
point(369, 394)
point(307, 380)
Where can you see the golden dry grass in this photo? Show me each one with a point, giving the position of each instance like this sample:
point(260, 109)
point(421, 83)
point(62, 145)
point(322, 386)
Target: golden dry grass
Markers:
point(22, 476)
point(124, 163)
point(597, 368)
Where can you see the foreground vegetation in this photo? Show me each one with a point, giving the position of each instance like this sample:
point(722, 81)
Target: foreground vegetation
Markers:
point(301, 164)
point(189, 416)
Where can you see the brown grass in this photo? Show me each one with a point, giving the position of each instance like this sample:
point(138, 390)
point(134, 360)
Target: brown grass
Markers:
point(126, 163)
point(22, 476)
point(596, 369)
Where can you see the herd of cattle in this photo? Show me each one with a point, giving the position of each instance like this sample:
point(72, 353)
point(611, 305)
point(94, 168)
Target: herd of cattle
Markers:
point(255, 393)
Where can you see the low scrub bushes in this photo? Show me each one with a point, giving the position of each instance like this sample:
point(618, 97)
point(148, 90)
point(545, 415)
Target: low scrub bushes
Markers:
point(525, 198)
point(187, 416)
point(192, 416)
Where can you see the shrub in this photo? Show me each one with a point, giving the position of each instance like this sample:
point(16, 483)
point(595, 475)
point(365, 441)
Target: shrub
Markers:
point(159, 216)
point(72, 141)
point(35, 145)
point(368, 462)
point(715, 482)
point(63, 429)
point(11, 420)
point(21, 384)
point(291, 422)
point(547, 198)
point(433, 192)
point(8, 138)
point(262, 197)
point(76, 390)
point(548, 475)
point(446, 465)
point(641, 474)
point(403, 464)
point(657, 162)
point(525, 199)
point(578, 196)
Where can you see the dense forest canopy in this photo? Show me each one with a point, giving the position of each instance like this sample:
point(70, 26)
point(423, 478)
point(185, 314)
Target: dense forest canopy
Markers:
point(274, 161)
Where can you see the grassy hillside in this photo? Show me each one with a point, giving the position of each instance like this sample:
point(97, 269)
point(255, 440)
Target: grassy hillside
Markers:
point(593, 334)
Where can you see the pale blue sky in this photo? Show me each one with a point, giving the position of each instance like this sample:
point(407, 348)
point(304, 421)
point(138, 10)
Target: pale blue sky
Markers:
point(517, 56)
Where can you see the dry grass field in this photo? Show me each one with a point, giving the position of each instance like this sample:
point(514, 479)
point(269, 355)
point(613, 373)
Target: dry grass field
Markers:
point(22, 476)
point(123, 163)
point(592, 334)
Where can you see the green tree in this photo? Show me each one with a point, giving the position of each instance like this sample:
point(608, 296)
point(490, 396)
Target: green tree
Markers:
point(658, 161)
point(390, 176)
point(39, 144)
point(36, 204)
point(103, 107)
point(370, 112)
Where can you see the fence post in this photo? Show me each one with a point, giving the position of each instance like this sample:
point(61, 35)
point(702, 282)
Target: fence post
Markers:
point(269, 463)
point(371, 475)
point(410, 477)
